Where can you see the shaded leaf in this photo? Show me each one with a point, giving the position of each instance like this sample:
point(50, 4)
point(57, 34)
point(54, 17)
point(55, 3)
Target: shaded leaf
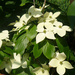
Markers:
point(21, 44)
point(63, 46)
point(37, 52)
point(9, 2)
point(48, 50)
point(8, 50)
point(71, 14)
point(31, 34)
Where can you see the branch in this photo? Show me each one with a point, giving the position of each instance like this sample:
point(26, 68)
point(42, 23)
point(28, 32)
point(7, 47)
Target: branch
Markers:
point(34, 2)
point(44, 6)
point(71, 1)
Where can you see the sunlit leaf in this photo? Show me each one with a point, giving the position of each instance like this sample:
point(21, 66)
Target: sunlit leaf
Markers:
point(23, 2)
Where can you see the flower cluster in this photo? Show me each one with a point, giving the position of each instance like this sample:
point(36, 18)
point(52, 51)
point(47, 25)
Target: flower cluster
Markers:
point(47, 26)
point(23, 20)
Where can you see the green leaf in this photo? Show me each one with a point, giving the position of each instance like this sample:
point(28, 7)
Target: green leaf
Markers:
point(9, 2)
point(71, 9)
point(14, 37)
point(8, 50)
point(63, 46)
point(72, 56)
point(37, 52)
point(2, 55)
point(22, 73)
point(31, 34)
point(48, 50)
point(21, 44)
point(71, 14)
point(23, 2)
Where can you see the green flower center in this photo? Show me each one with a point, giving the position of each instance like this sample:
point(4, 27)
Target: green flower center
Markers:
point(60, 26)
point(44, 31)
point(29, 13)
point(50, 16)
point(43, 71)
point(61, 62)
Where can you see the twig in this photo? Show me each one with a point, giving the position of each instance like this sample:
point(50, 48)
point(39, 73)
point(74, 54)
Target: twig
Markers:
point(71, 1)
point(44, 6)
point(34, 2)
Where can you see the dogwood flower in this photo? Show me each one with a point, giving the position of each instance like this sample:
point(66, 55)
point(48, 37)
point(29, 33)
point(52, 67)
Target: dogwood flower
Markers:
point(45, 30)
point(41, 71)
point(60, 29)
point(24, 18)
point(35, 12)
point(7, 65)
point(18, 25)
point(4, 35)
point(60, 63)
point(52, 16)
point(46, 18)
point(16, 62)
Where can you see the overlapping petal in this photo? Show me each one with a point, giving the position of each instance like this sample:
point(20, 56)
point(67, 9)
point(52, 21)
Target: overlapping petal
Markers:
point(40, 37)
point(50, 35)
point(61, 56)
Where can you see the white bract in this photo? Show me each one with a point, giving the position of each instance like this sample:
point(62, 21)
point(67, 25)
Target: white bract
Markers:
point(41, 8)
point(7, 65)
point(24, 18)
point(18, 25)
point(4, 35)
point(60, 63)
point(60, 29)
point(35, 12)
point(41, 71)
point(16, 62)
point(45, 30)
